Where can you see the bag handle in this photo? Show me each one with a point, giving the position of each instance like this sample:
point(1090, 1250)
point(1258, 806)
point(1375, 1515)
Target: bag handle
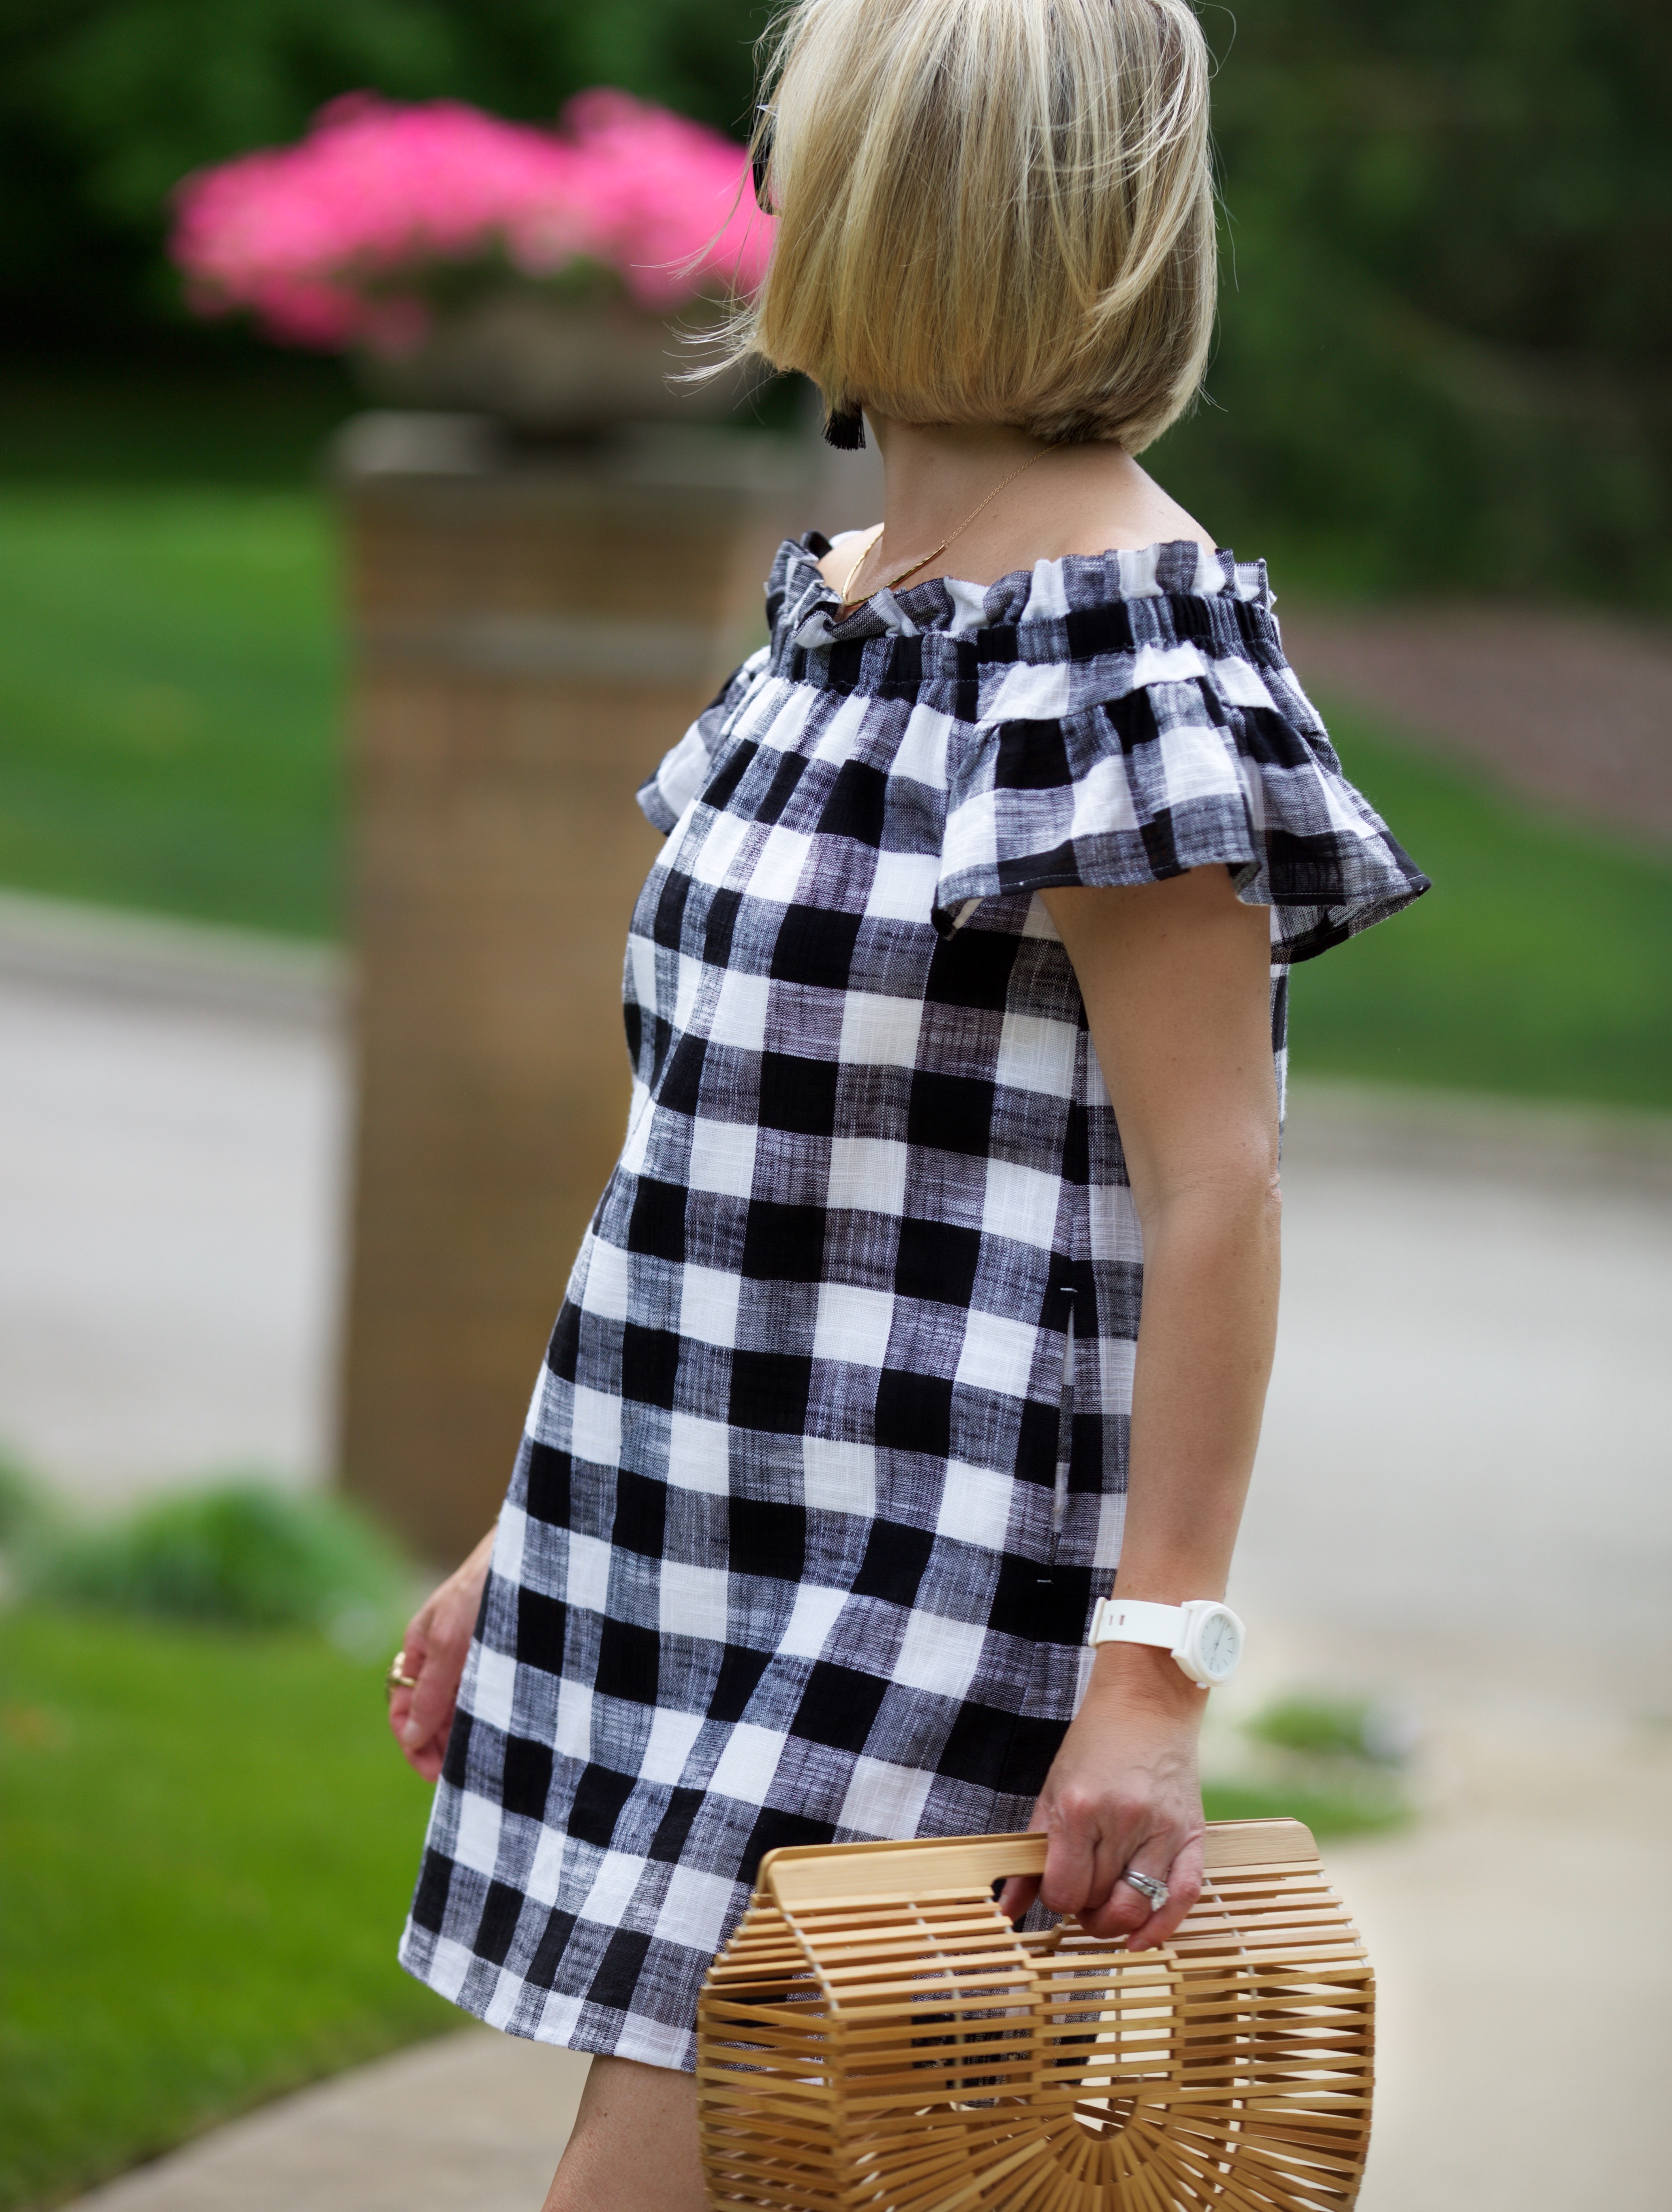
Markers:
point(819, 1874)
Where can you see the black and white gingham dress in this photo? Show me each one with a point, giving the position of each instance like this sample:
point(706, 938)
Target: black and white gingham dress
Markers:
point(827, 1463)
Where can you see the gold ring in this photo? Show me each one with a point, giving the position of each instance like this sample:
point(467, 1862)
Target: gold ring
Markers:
point(396, 1679)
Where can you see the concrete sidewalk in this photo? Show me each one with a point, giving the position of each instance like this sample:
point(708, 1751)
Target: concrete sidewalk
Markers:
point(172, 1136)
point(474, 2122)
point(1520, 1935)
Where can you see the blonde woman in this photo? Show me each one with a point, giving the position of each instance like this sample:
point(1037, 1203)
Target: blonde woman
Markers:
point(933, 1298)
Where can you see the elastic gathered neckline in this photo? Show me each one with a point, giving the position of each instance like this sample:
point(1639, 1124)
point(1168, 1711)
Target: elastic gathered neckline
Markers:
point(1050, 590)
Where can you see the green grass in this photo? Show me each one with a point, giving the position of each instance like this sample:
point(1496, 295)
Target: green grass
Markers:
point(1541, 963)
point(168, 685)
point(208, 1841)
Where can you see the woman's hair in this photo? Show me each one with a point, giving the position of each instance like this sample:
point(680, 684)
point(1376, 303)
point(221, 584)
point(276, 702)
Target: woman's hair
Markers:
point(991, 212)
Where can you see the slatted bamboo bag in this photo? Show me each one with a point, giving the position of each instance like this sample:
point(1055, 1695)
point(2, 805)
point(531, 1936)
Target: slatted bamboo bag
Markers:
point(877, 2036)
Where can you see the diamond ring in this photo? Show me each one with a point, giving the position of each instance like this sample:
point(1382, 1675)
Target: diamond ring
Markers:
point(1148, 1886)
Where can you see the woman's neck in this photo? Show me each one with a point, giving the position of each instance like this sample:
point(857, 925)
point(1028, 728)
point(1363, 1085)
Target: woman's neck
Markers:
point(1066, 499)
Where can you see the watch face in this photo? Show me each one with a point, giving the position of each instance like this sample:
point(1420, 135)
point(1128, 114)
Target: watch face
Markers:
point(1221, 1644)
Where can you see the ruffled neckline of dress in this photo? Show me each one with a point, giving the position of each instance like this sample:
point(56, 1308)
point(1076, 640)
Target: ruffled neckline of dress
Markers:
point(1049, 591)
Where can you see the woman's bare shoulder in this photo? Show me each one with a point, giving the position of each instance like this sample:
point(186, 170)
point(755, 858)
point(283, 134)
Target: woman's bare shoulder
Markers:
point(846, 547)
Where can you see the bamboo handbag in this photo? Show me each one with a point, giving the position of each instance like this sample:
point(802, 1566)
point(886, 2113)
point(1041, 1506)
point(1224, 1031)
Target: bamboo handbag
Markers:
point(877, 2035)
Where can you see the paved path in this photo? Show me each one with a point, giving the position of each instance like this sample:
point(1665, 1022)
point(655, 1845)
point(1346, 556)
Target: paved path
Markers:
point(172, 1126)
point(1463, 1499)
point(1525, 2044)
point(1470, 1431)
point(472, 2123)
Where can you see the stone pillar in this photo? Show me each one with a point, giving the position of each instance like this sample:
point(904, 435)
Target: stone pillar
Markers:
point(526, 642)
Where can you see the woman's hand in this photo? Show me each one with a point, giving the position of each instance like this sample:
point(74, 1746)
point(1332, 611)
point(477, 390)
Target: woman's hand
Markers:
point(1123, 1792)
point(434, 1651)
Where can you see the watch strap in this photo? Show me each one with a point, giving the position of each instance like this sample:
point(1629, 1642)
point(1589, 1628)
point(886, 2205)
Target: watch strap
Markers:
point(1136, 1621)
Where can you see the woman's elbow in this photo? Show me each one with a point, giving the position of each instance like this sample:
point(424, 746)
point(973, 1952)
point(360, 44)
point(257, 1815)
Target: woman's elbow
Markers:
point(1233, 1211)
point(1241, 1190)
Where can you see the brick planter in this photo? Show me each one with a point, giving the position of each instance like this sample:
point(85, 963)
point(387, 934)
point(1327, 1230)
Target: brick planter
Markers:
point(526, 642)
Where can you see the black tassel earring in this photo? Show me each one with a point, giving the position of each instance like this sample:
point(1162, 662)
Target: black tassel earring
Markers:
point(760, 159)
point(845, 431)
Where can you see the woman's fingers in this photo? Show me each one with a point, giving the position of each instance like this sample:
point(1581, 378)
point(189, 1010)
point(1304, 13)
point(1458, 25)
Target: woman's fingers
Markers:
point(400, 1708)
point(1080, 1865)
point(1085, 1860)
point(1184, 1886)
point(1016, 1898)
point(1130, 1912)
point(438, 1662)
point(415, 1715)
point(429, 1717)
point(436, 1644)
point(1126, 1910)
point(410, 1660)
point(427, 1760)
point(1071, 1857)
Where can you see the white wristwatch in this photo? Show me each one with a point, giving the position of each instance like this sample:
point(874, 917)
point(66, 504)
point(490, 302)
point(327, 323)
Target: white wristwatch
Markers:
point(1204, 1636)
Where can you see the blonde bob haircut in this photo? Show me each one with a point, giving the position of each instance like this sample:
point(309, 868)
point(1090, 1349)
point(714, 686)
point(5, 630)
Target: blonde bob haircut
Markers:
point(990, 212)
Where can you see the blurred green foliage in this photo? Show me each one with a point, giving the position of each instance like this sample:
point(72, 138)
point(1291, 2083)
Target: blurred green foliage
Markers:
point(208, 1845)
point(1446, 327)
point(27, 1509)
point(1317, 1756)
point(214, 414)
point(1324, 1725)
point(1330, 1806)
point(1446, 351)
point(243, 1554)
point(106, 104)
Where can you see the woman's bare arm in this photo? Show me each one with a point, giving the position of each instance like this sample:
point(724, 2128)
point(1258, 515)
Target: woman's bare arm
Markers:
point(1176, 979)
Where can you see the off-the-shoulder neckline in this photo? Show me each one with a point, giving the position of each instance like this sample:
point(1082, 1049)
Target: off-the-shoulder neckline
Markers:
point(1135, 572)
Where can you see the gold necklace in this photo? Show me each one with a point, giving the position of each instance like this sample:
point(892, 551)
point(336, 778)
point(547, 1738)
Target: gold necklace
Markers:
point(911, 568)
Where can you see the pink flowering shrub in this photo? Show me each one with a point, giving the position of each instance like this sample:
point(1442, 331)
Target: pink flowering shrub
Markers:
point(344, 239)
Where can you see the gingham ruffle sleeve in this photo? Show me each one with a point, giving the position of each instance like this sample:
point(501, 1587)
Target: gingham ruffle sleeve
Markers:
point(684, 771)
point(1136, 736)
